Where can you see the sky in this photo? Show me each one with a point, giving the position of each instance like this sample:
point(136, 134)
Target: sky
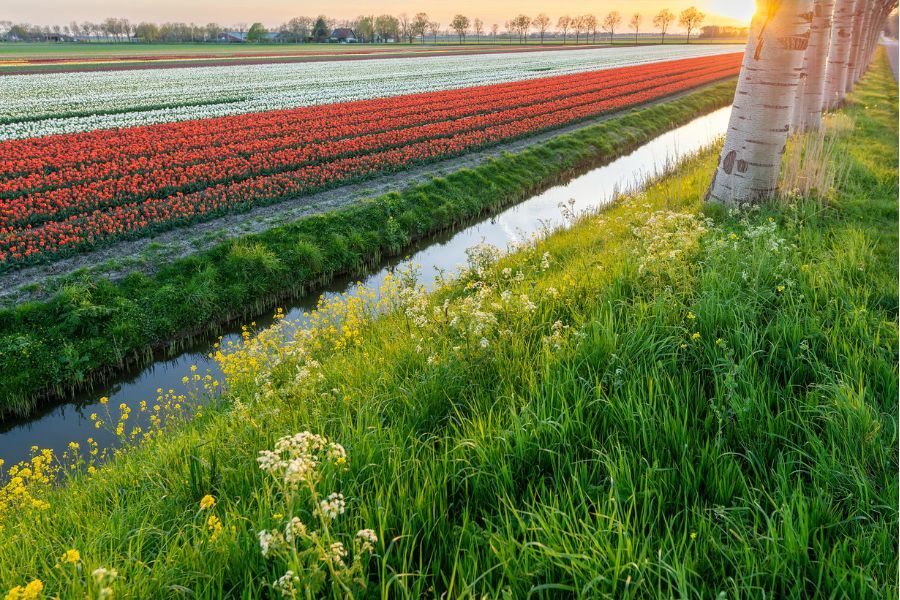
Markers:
point(273, 12)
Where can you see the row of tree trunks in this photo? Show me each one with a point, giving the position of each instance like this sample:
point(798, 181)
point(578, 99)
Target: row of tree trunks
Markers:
point(880, 12)
point(808, 108)
point(839, 52)
point(802, 58)
point(763, 103)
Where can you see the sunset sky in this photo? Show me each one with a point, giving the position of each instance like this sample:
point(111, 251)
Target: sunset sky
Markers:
point(274, 12)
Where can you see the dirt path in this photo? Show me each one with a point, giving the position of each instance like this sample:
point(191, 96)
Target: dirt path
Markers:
point(147, 254)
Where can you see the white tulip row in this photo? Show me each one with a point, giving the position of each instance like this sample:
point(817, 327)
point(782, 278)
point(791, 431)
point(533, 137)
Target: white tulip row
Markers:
point(35, 105)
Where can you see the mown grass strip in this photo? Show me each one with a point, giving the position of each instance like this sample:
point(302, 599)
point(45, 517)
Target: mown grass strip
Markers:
point(715, 414)
point(93, 327)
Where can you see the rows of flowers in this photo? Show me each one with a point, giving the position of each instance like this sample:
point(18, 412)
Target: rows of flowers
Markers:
point(287, 140)
point(71, 102)
point(310, 167)
point(79, 153)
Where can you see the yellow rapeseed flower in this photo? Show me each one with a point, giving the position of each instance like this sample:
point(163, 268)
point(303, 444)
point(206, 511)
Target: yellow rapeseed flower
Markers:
point(214, 526)
point(71, 556)
point(29, 592)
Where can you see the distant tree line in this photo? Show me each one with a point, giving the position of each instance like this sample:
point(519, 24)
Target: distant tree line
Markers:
point(585, 28)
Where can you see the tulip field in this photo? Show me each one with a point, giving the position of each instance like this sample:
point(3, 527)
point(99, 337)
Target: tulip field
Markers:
point(69, 192)
point(70, 102)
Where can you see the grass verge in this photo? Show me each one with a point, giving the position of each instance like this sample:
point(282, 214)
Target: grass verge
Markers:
point(94, 327)
point(665, 400)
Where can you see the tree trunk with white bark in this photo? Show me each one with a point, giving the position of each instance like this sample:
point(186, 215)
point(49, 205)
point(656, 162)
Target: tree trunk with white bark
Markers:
point(839, 53)
point(808, 109)
point(749, 166)
point(882, 8)
point(863, 15)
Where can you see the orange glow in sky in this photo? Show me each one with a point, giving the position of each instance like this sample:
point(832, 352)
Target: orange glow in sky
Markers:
point(274, 12)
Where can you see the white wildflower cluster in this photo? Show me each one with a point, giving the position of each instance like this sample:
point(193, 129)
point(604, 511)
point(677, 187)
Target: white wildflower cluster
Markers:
point(104, 579)
point(767, 234)
point(270, 542)
point(472, 316)
point(367, 535)
point(667, 237)
point(469, 321)
point(413, 302)
point(315, 556)
point(297, 458)
point(332, 506)
point(305, 369)
point(557, 336)
point(294, 530)
point(481, 257)
point(337, 553)
point(545, 261)
point(287, 584)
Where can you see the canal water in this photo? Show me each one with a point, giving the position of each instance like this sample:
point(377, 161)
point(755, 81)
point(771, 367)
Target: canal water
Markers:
point(58, 425)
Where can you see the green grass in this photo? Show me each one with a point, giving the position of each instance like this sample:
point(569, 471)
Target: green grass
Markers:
point(714, 416)
point(92, 326)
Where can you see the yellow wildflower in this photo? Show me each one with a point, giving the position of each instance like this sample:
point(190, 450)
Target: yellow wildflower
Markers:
point(214, 525)
point(29, 592)
point(779, 288)
point(71, 556)
point(695, 336)
point(207, 502)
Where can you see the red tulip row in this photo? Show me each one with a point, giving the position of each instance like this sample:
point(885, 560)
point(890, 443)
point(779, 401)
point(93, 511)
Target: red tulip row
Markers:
point(28, 244)
point(261, 158)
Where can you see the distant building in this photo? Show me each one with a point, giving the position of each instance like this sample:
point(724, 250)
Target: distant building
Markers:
point(240, 37)
point(237, 37)
point(343, 35)
point(59, 37)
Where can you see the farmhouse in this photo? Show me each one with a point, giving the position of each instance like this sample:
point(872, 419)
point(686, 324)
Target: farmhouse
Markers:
point(343, 35)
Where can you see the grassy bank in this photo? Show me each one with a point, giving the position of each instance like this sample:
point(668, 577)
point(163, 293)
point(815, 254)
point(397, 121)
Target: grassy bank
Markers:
point(665, 400)
point(93, 327)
